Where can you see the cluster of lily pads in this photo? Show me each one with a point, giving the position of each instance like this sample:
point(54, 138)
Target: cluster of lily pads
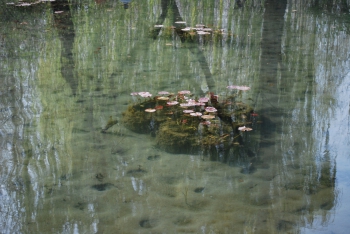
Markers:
point(199, 29)
point(25, 4)
point(182, 122)
point(201, 107)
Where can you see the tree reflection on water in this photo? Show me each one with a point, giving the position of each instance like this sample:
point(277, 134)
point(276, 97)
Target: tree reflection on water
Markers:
point(64, 74)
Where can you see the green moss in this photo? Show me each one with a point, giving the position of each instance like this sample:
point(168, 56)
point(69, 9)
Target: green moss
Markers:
point(177, 132)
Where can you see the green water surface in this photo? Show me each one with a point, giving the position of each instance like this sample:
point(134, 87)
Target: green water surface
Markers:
point(67, 67)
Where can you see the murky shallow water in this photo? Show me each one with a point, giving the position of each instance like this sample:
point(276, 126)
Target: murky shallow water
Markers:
point(64, 75)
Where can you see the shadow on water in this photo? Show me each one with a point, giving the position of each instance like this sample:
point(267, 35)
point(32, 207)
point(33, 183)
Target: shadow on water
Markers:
point(189, 41)
point(271, 59)
point(64, 25)
point(126, 3)
point(271, 64)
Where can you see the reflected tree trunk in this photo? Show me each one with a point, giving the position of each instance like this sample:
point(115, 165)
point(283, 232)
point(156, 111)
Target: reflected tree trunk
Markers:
point(272, 71)
point(191, 44)
point(65, 28)
point(270, 60)
point(271, 43)
point(337, 5)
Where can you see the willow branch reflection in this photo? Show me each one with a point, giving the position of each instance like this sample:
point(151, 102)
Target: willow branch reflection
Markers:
point(318, 180)
point(295, 172)
point(191, 44)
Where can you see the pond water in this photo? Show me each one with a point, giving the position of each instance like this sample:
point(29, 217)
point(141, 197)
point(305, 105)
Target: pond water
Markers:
point(70, 162)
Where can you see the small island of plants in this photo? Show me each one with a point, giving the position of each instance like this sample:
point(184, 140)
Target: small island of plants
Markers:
point(182, 123)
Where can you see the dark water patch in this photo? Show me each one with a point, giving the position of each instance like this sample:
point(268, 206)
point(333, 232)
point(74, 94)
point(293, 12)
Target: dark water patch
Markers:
point(311, 190)
point(252, 186)
point(147, 223)
point(80, 205)
point(80, 101)
point(327, 205)
point(99, 177)
point(268, 126)
point(102, 187)
point(258, 163)
point(265, 143)
point(79, 130)
point(49, 190)
point(302, 210)
point(198, 190)
point(119, 150)
point(6, 109)
point(250, 153)
point(284, 225)
point(153, 157)
point(136, 172)
point(110, 133)
point(65, 177)
point(250, 169)
point(150, 70)
point(170, 192)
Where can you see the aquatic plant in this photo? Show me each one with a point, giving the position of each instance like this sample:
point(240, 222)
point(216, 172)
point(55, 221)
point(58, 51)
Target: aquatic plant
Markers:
point(188, 32)
point(243, 88)
point(150, 110)
point(211, 109)
point(181, 122)
point(111, 122)
point(244, 129)
point(145, 94)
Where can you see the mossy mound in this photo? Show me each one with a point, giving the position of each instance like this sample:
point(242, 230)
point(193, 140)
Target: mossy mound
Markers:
point(186, 136)
point(179, 132)
point(173, 136)
point(137, 120)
